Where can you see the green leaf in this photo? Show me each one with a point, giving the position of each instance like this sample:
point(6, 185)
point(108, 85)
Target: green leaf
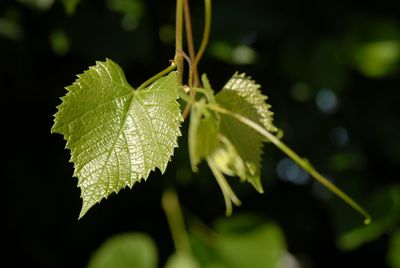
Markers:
point(240, 156)
point(241, 146)
point(230, 147)
point(116, 134)
point(126, 251)
point(203, 131)
point(250, 91)
point(251, 247)
point(263, 247)
point(243, 240)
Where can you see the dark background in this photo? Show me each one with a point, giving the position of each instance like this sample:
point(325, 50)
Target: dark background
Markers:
point(330, 69)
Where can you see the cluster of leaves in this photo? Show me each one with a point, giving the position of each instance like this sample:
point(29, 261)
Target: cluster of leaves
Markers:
point(229, 146)
point(118, 135)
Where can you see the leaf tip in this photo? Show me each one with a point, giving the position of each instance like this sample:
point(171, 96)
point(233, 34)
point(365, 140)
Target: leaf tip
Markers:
point(256, 182)
point(82, 213)
point(85, 208)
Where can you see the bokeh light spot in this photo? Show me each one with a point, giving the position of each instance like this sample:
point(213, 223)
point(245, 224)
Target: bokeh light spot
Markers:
point(326, 101)
point(167, 34)
point(377, 59)
point(243, 55)
point(59, 42)
point(289, 171)
point(340, 136)
point(301, 92)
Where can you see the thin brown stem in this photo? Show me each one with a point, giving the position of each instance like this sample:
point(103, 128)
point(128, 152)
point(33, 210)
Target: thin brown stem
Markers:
point(186, 111)
point(206, 33)
point(178, 39)
point(193, 75)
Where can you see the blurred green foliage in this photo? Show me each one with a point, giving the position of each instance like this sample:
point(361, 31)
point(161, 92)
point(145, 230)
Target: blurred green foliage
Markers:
point(394, 250)
point(126, 251)
point(241, 241)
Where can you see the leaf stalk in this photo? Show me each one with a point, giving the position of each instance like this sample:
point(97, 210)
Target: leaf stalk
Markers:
point(157, 76)
point(173, 212)
point(296, 158)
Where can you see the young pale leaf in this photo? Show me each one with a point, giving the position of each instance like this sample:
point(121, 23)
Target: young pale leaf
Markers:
point(116, 134)
point(203, 130)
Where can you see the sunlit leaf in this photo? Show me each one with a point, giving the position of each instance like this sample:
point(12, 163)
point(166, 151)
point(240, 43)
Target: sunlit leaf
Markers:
point(116, 134)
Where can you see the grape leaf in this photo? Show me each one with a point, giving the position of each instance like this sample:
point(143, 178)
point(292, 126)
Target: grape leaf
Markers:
point(230, 147)
point(116, 134)
point(241, 150)
point(230, 152)
point(240, 156)
point(248, 89)
point(203, 131)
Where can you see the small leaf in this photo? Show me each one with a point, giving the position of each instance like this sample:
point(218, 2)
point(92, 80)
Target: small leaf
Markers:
point(126, 251)
point(240, 156)
point(203, 132)
point(116, 134)
point(242, 146)
point(248, 89)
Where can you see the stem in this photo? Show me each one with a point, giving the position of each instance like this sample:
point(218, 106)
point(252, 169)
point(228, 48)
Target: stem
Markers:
point(193, 72)
point(229, 195)
point(155, 77)
point(193, 76)
point(172, 209)
point(296, 158)
point(178, 39)
point(206, 34)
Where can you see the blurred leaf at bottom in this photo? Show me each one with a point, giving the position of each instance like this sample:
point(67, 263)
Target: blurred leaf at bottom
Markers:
point(244, 241)
point(394, 250)
point(126, 251)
